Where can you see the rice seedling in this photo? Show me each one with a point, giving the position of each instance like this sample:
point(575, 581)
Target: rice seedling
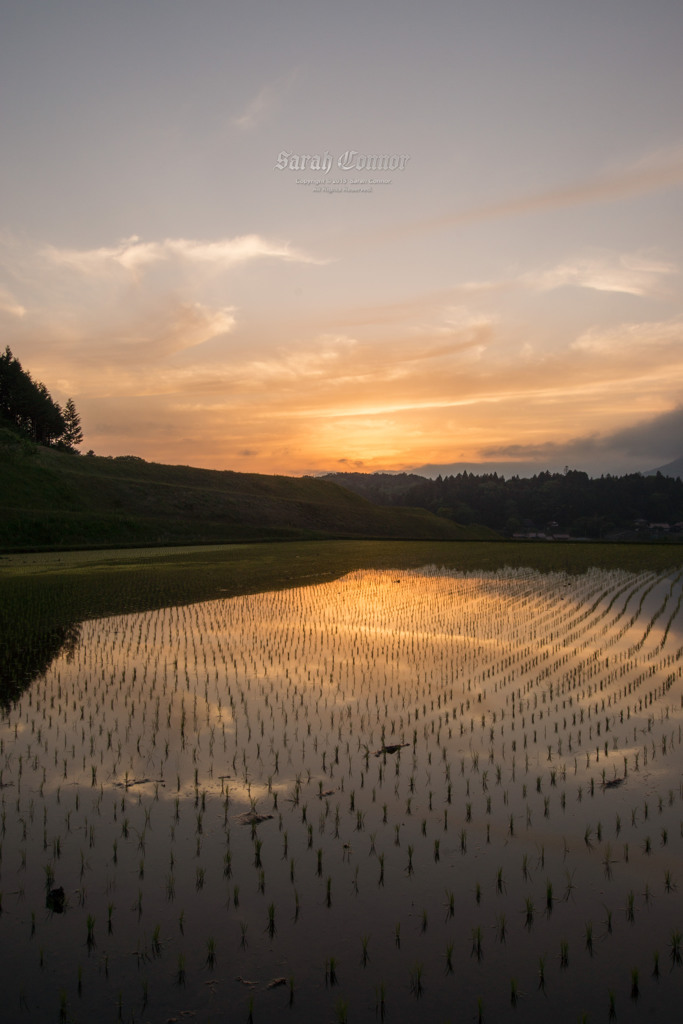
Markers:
point(635, 989)
point(416, 980)
point(293, 692)
point(564, 954)
point(630, 907)
point(341, 1009)
point(608, 921)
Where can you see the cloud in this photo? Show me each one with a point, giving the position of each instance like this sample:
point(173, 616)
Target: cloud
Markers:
point(131, 254)
point(9, 305)
point(127, 352)
point(632, 337)
point(257, 109)
point(265, 102)
point(183, 326)
point(235, 250)
point(318, 361)
point(629, 273)
point(658, 170)
point(122, 306)
point(345, 371)
point(660, 437)
point(225, 364)
point(653, 440)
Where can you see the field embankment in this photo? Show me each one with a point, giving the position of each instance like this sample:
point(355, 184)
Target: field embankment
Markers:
point(53, 500)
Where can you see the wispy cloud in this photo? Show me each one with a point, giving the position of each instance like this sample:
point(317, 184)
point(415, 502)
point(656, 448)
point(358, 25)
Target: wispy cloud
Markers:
point(655, 171)
point(129, 254)
point(265, 102)
point(179, 327)
point(165, 333)
point(300, 363)
point(632, 337)
point(126, 352)
point(132, 254)
point(629, 273)
point(9, 305)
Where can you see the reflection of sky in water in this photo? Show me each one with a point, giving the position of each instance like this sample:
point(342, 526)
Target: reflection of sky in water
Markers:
point(240, 690)
point(516, 694)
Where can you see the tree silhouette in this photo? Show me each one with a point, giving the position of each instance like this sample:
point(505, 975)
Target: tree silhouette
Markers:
point(27, 407)
point(73, 435)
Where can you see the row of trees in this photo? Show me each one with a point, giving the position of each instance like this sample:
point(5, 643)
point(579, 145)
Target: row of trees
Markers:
point(27, 407)
point(572, 501)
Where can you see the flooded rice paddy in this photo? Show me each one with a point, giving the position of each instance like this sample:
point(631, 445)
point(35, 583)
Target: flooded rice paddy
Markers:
point(401, 795)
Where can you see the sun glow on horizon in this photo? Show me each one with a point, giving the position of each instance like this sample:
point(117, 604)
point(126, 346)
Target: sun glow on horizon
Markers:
point(487, 299)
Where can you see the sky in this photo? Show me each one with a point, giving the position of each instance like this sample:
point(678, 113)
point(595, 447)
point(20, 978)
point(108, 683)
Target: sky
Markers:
point(283, 236)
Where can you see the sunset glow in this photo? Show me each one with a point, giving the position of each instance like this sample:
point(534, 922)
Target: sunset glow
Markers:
point(503, 284)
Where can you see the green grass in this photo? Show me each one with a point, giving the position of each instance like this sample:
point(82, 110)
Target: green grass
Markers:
point(54, 500)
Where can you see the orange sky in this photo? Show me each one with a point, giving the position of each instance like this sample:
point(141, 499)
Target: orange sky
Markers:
point(511, 290)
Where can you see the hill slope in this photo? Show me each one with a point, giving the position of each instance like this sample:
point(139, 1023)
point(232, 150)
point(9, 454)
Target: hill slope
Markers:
point(674, 469)
point(51, 499)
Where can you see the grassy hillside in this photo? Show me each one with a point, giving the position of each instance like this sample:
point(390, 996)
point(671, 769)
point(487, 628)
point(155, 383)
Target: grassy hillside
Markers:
point(52, 500)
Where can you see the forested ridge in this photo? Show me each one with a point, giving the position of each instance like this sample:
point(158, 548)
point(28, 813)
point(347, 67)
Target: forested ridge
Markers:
point(570, 502)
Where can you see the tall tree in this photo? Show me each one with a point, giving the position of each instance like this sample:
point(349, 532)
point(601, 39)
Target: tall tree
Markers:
point(73, 435)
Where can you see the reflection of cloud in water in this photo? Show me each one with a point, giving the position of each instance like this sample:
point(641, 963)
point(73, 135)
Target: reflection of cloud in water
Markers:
point(244, 694)
point(513, 696)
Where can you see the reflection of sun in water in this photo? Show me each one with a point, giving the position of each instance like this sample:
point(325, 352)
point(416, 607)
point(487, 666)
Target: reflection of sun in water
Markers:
point(235, 687)
point(190, 773)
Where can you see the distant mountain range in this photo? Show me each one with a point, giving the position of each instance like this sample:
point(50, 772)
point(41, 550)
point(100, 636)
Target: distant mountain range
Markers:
point(525, 469)
point(508, 469)
point(674, 469)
